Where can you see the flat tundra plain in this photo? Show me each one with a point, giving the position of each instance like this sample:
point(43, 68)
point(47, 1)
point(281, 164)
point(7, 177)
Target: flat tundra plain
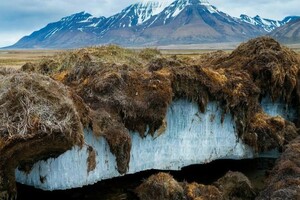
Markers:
point(17, 58)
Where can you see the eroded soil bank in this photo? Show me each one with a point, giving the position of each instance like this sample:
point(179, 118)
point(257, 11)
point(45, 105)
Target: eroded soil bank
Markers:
point(113, 91)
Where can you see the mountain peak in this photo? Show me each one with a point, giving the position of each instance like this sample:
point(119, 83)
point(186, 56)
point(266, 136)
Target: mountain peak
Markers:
point(146, 9)
point(77, 16)
point(257, 17)
point(266, 24)
point(204, 3)
point(193, 2)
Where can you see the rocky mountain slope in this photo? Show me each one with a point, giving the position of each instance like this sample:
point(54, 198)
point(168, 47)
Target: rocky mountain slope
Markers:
point(267, 24)
point(289, 33)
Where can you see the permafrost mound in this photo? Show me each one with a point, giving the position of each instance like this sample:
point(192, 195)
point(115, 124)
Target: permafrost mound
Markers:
point(116, 93)
point(38, 120)
point(272, 67)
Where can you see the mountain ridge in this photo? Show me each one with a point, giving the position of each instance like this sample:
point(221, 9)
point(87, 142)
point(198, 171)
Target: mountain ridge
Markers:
point(267, 24)
point(148, 23)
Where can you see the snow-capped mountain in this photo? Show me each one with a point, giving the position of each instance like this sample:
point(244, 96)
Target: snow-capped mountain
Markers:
point(175, 8)
point(82, 22)
point(134, 15)
point(267, 24)
point(75, 30)
point(195, 21)
point(149, 23)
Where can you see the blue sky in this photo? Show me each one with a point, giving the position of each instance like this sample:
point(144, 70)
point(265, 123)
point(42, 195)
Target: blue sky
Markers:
point(22, 17)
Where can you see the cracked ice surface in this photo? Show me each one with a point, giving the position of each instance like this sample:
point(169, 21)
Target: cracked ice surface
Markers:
point(191, 137)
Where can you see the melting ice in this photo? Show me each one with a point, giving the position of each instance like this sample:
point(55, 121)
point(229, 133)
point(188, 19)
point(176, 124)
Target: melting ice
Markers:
point(191, 137)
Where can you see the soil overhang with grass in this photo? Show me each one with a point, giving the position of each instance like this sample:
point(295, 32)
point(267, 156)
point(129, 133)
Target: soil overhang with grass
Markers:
point(115, 92)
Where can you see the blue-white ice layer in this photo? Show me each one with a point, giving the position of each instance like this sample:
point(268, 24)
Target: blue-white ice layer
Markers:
point(191, 137)
point(280, 108)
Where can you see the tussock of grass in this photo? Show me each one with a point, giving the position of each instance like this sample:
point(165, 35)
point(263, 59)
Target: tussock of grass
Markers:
point(162, 186)
point(273, 68)
point(29, 104)
point(37, 120)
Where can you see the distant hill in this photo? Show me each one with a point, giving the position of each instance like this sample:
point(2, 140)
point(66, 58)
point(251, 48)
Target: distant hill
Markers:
point(150, 23)
point(289, 33)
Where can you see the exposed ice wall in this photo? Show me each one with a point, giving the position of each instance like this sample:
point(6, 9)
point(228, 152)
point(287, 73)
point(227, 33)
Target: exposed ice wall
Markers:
point(191, 137)
point(279, 108)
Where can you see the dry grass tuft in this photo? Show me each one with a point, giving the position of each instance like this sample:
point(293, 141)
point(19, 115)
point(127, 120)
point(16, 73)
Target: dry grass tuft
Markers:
point(161, 186)
point(32, 104)
point(196, 191)
point(235, 185)
point(104, 55)
point(266, 133)
point(149, 53)
point(37, 120)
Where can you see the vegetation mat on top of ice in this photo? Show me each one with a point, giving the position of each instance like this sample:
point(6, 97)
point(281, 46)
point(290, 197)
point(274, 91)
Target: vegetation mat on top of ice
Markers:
point(117, 90)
